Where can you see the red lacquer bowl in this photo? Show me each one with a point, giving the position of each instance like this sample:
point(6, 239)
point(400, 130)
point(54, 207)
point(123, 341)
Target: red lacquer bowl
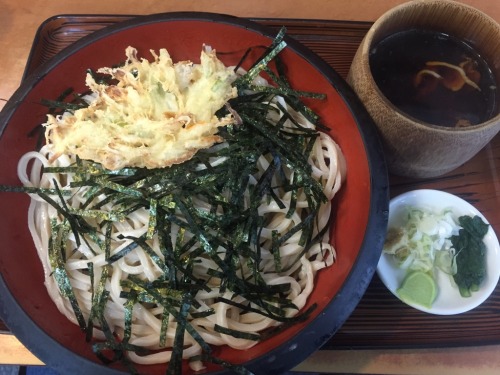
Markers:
point(360, 216)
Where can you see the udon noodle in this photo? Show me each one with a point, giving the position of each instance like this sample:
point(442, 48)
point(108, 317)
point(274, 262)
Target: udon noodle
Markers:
point(328, 167)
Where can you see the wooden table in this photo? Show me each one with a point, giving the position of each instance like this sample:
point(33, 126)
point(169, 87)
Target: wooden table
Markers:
point(368, 342)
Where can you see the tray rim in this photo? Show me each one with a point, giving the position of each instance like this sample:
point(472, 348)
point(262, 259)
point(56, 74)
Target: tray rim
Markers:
point(124, 17)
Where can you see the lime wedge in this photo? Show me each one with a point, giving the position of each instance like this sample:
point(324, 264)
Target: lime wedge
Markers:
point(418, 288)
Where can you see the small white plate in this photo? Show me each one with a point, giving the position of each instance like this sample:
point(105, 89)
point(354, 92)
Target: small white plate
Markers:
point(448, 301)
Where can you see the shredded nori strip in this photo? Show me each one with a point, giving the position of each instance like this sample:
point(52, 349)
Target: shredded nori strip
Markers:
point(56, 246)
point(175, 365)
point(32, 190)
point(236, 334)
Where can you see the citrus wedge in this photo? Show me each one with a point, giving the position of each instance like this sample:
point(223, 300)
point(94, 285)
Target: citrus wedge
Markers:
point(418, 288)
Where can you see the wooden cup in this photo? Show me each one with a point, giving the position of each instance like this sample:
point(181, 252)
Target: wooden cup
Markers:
point(414, 148)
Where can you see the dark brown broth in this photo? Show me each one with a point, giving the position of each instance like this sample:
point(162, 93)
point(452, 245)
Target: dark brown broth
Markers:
point(396, 60)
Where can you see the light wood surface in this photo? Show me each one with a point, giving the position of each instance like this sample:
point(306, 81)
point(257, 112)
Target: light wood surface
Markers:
point(19, 21)
point(12, 352)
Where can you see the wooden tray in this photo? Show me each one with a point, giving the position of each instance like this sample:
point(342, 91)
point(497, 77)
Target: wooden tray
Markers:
point(380, 320)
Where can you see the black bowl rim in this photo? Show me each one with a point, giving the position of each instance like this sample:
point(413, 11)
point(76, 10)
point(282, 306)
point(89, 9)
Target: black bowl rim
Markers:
point(303, 344)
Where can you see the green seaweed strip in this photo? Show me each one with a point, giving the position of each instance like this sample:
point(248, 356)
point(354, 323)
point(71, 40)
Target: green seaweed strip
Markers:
point(179, 247)
point(65, 170)
point(99, 305)
point(120, 254)
point(288, 92)
point(90, 321)
point(94, 236)
point(165, 318)
point(165, 243)
point(102, 181)
point(236, 334)
point(128, 315)
point(65, 214)
point(194, 226)
point(92, 193)
point(112, 344)
point(202, 314)
point(303, 130)
point(293, 203)
point(54, 104)
point(107, 241)
point(272, 51)
point(254, 71)
point(33, 190)
point(141, 242)
point(188, 327)
point(275, 250)
point(153, 204)
point(97, 295)
point(175, 365)
point(59, 271)
point(96, 214)
point(268, 314)
point(156, 296)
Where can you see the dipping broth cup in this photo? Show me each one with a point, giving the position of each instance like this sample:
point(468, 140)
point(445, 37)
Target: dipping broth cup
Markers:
point(413, 147)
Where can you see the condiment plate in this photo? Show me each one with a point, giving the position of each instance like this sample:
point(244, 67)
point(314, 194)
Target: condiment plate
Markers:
point(448, 300)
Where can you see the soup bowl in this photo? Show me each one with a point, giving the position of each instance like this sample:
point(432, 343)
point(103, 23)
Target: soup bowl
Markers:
point(416, 147)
